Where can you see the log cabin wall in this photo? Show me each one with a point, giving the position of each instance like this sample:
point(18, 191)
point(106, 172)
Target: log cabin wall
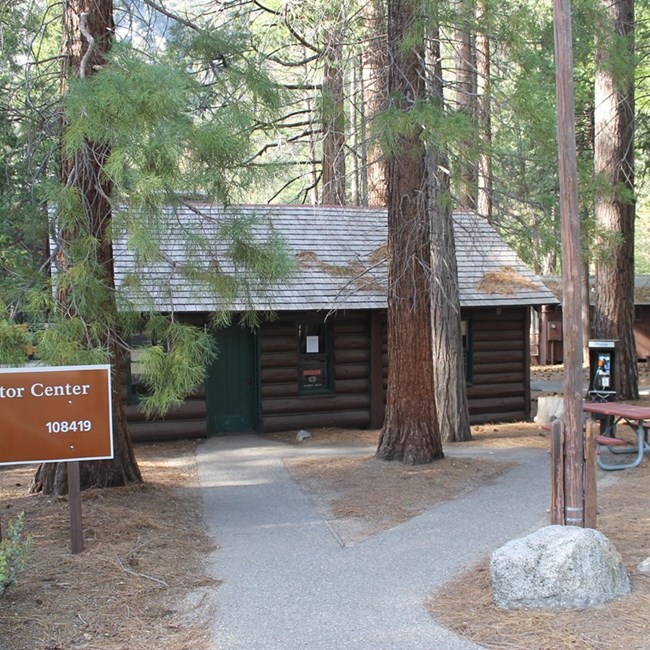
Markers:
point(642, 331)
point(500, 390)
point(185, 421)
point(347, 405)
point(550, 335)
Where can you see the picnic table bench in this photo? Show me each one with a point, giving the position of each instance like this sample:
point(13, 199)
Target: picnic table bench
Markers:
point(637, 417)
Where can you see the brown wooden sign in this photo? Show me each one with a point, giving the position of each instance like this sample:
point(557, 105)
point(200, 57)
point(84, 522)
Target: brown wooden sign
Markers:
point(55, 414)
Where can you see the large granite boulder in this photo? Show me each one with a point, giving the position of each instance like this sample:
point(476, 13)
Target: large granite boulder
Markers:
point(558, 567)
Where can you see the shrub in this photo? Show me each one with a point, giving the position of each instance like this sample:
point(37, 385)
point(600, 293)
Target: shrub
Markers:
point(15, 549)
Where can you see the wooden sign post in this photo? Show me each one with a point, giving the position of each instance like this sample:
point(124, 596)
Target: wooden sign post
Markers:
point(57, 414)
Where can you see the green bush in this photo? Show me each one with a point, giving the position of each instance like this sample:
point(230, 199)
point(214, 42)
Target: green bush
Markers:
point(15, 549)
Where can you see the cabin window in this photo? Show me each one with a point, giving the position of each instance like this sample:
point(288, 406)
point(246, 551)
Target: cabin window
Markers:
point(135, 384)
point(314, 358)
point(136, 388)
point(468, 353)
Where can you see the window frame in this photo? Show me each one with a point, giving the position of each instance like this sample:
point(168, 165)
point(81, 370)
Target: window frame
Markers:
point(324, 358)
point(467, 347)
point(137, 342)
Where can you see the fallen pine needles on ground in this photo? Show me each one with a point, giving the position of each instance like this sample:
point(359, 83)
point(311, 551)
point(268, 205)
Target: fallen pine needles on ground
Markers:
point(141, 582)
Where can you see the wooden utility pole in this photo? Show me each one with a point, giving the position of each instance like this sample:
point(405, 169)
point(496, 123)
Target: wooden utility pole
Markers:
point(574, 463)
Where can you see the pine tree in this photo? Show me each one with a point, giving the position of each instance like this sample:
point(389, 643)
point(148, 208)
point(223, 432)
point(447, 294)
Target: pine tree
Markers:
point(615, 199)
point(410, 433)
point(144, 130)
point(87, 35)
point(450, 391)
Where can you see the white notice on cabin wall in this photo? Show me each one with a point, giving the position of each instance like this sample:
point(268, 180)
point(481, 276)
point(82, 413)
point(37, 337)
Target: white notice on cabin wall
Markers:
point(312, 344)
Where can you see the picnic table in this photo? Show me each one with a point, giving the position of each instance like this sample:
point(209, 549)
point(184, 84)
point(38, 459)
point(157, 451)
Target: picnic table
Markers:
point(637, 417)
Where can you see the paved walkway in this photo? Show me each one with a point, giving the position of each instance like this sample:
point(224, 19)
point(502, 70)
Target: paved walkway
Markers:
point(290, 584)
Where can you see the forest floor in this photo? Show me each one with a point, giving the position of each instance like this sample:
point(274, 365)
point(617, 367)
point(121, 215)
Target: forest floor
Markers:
point(142, 580)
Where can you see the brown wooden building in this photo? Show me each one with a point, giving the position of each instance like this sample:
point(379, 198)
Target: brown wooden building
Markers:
point(321, 360)
point(546, 331)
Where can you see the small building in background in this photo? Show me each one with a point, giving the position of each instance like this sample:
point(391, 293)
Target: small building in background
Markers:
point(546, 331)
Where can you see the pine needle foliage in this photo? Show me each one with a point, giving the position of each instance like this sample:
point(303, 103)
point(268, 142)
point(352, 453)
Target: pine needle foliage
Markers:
point(15, 342)
point(174, 369)
point(175, 127)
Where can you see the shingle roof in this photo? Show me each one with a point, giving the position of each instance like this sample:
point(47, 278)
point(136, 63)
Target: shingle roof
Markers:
point(341, 256)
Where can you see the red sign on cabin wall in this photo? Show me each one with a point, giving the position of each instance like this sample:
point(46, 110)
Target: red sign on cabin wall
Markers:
point(55, 414)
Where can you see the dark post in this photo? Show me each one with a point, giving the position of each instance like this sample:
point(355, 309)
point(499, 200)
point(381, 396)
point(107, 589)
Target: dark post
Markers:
point(557, 473)
point(74, 504)
point(571, 268)
point(591, 473)
point(376, 373)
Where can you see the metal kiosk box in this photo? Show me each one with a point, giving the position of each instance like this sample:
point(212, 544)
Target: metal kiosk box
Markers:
point(604, 359)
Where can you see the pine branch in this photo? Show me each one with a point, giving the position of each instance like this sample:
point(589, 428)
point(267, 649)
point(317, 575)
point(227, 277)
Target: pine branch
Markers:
point(173, 16)
point(139, 575)
point(272, 145)
point(315, 184)
point(300, 38)
point(266, 9)
point(279, 122)
point(302, 86)
point(284, 187)
point(83, 28)
point(294, 64)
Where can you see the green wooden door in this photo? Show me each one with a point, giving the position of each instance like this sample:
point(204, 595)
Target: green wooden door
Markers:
point(232, 383)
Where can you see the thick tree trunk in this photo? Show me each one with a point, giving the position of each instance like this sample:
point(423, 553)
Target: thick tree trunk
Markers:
point(88, 28)
point(615, 205)
point(410, 432)
point(449, 379)
point(333, 122)
point(448, 363)
point(375, 83)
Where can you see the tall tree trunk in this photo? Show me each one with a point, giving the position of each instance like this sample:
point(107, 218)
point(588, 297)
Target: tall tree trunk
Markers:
point(313, 167)
point(355, 136)
point(375, 97)
point(615, 204)
point(466, 100)
point(484, 116)
point(333, 106)
point(449, 381)
point(87, 34)
point(410, 432)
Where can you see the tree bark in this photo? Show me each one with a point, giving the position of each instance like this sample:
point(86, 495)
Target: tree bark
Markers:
point(87, 34)
point(410, 433)
point(333, 121)
point(484, 115)
point(375, 98)
point(466, 100)
point(615, 203)
point(449, 382)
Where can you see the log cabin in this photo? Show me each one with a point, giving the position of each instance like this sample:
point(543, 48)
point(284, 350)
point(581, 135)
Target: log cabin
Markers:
point(320, 358)
point(547, 322)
